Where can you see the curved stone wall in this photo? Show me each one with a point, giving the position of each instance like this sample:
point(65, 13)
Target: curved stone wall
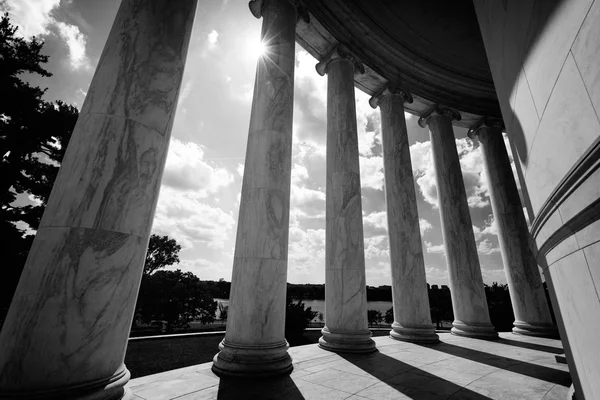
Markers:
point(544, 61)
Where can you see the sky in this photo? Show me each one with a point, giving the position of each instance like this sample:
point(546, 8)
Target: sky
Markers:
point(200, 192)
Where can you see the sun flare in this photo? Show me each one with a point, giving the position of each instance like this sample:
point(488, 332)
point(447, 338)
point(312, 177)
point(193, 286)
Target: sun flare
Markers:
point(256, 49)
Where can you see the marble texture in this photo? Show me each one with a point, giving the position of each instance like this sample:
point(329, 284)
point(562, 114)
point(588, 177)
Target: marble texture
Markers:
point(346, 327)
point(412, 318)
point(585, 52)
point(471, 315)
point(255, 344)
point(532, 315)
point(457, 368)
point(568, 114)
point(66, 331)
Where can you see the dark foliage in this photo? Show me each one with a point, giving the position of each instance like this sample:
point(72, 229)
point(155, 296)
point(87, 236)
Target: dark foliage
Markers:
point(162, 252)
point(297, 318)
point(175, 297)
point(374, 317)
point(389, 316)
point(33, 138)
point(500, 306)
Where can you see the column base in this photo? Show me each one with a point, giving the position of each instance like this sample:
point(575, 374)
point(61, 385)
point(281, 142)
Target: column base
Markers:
point(252, 361)
point(347, 341)
point(546, 331)
point(472, 330)
point(112, 388)
point(424, 334)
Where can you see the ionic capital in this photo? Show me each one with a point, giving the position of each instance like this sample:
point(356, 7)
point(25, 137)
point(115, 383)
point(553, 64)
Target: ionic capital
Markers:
point(339, 51)
point(390, 89)
point(256, 8)
point(438, 110)
point(484, 123)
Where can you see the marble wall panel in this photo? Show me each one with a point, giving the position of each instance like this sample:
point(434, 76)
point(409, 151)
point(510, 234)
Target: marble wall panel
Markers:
point(592, 256)
point(118, 164)
point(588, 235)
point(586, 193)
point(525, 124)
point(142, 63)
point(585, 51)
point(569, 114)
point(579, 304)
point(79, 312)
point(552, 30)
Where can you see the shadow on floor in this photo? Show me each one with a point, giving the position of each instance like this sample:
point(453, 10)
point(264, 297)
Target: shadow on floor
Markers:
point(531, 346)
point(406, 379)
point(259, 389)
point(547, 374)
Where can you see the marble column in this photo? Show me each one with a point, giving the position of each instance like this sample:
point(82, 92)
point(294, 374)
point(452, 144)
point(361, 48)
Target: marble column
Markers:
point(412, 317)
point(532, 315)
point(346, 326)
point(67, 328)
point(471, 314)
point(255, 345)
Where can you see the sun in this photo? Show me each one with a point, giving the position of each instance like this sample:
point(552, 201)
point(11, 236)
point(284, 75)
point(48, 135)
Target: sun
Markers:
point(255, 49)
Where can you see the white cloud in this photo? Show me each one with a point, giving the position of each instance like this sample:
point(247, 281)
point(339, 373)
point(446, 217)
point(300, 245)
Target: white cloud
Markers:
point(307, 203)
point(191, 222)
point(75, 41)
point(212, 39)
point(471, 166)
point(377, 246)
point(371, 172)
point(240, 170)
point(485, 247)
point(375, 224)
point(435, 249)
point(32, 16)
point(424, 226)
point(187, 171)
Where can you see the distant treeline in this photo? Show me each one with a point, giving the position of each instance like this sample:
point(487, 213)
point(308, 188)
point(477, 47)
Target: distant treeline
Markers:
point(440, 301)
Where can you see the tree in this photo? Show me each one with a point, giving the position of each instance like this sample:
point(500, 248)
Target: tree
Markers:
point(223, 312)
point(374, 316)
point(389, 316)
point(321, 317)
point(175, 297)
point(162, 252)
point(297, 318)
point(33, 138)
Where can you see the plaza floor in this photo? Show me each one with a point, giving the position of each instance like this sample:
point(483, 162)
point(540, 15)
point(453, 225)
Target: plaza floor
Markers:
point(514, 367)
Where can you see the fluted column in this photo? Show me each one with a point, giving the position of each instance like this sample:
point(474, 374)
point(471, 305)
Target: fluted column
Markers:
point(255, 344)
point(67, 328)
point(412, 317)
point(346, 327)
point(532, 315)
point(471, 314)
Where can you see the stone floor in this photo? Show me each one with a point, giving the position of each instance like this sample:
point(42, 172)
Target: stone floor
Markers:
point(514, 367)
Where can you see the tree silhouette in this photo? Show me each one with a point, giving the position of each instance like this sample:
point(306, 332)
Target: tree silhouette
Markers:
point(33, 138)
point(162, 252)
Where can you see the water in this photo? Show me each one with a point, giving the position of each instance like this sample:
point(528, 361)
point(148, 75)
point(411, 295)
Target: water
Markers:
point(319, 305)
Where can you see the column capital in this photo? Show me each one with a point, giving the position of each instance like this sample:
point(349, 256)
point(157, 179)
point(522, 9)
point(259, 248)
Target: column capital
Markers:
point(339, 51)
point(485, 122)
point(256, 8)
point(438, 110)
point(390, 89)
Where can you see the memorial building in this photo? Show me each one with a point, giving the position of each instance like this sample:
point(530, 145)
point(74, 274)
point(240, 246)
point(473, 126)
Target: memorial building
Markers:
point(528, 68)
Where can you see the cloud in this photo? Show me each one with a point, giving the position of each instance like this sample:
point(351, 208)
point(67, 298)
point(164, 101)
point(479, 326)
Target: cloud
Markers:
point(424, 226)
point(485, 247)
point(190, 221)
point(471, 166)
point(187, 171)
point(377, 246)
point(375, 224)
point(307, 203)
point(435, 249)
point(75, 41)
point(371, 172)
point(32, 16)
point(212, 39)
